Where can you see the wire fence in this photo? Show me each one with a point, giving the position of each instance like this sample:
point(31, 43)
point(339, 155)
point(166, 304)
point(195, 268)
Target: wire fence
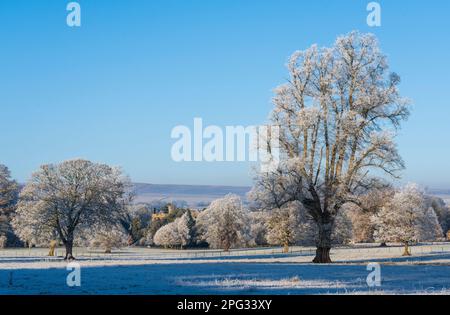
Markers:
point(152, 253)
point(143, 253)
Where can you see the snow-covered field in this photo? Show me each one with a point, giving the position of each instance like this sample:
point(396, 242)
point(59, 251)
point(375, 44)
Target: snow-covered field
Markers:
point(252, 271)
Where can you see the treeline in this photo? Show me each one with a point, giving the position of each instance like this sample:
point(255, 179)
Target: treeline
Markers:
point(81, 203)
point(403, 215)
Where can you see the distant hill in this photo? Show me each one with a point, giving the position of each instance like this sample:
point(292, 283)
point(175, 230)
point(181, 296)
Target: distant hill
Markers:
point(435, 191)
point(199, 196)
point(192, 195)
point(441, 193)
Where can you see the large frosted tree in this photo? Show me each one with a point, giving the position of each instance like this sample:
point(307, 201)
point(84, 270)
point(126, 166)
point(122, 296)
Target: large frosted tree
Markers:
point(338, 115)
point(68, 198)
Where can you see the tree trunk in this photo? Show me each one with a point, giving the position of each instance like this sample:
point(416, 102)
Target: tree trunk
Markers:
point(406, 252)
point(69, 248)
point(226, 245)
point(286, 248)
point(322, 255)
point(130, 240)
point(324, 241)
point(51, 251)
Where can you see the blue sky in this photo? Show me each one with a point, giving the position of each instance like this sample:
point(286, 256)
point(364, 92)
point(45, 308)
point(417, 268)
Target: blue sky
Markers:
point(112, 90)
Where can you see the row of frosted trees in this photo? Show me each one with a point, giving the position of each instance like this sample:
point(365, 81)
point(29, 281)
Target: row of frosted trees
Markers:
point(406, 215)
point(80, 202)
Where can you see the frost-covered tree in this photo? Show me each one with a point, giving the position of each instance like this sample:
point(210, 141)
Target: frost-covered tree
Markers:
point(4, 226)
point(168, 235)
point(430, 229)
point(153, 227)
point(106, 237)
point(283, 227)
point(362, 224)
point(258, 227)
point(401, 219)
point(135, 220)
point(69, 197)
point(8, 198)
point(30, 234)
point(187, 229)
point(337, 117)
point(225, 223)
point(8, 191)
point(342, 229)
point(361, 213)
point(3, 241)
point(442, 211)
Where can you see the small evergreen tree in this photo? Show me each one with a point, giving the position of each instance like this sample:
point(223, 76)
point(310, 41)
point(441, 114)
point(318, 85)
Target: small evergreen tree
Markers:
point(187, 229)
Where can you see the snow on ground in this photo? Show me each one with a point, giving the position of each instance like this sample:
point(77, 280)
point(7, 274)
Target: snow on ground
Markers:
point(260, 271)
